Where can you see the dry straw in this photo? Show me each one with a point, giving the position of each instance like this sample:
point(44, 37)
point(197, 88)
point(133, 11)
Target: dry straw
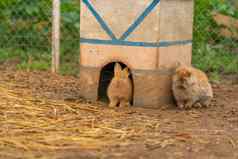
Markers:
point(32, 126)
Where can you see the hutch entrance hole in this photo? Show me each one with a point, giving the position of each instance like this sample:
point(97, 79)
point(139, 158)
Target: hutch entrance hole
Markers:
point(106, 76)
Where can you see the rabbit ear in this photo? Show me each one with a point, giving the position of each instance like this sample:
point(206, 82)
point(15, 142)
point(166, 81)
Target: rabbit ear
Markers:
point(125, 72)
point(177, 64)
point(117, 70)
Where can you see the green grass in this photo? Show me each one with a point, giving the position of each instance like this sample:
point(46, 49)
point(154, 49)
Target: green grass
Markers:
point(7, 54)
point(212, 53)
point(215, 60)
point(69, 69)
point(40, 60)
point(35, 65)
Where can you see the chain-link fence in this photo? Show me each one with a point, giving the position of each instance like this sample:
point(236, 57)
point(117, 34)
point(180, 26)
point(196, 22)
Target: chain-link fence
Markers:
point(26, 30)
point(26, 26)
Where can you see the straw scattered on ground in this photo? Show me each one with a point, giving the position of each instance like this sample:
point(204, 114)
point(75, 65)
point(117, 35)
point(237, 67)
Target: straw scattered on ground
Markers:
point(43, 116)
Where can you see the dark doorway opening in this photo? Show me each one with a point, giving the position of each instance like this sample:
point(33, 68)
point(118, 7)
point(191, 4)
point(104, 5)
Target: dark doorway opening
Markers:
point(106, 76)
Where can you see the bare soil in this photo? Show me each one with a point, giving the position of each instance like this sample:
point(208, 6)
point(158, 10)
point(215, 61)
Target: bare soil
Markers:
point(43, 116)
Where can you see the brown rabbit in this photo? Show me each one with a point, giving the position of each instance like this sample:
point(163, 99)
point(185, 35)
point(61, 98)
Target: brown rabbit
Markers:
point(191, 87)
point(120, 88)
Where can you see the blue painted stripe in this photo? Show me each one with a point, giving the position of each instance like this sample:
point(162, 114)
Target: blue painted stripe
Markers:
point(131, 43)
point(140, 19)
point(99, 19)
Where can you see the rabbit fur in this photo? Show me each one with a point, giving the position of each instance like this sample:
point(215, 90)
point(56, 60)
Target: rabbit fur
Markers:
point(120, 88)
point(191, 87)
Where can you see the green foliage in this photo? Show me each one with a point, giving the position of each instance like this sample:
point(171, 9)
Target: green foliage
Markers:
point(215, 60)
point(39, 61)
point(211, 52)
point(70, 11)
point(35, 65)
point(214, 77)
point(6, 54)
point(25, 26)
point(228, 7)
point(69, 69)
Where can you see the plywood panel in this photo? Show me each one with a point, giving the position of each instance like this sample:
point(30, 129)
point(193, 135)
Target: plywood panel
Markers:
point(169, 56)
point(89, 27)
point(152, 90)
point(134, 57)
point(176, 20)
point(120, 14)
point(148, 30)
point(89, 80)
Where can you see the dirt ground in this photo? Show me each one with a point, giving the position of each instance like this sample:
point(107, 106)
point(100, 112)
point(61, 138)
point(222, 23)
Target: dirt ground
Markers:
point(43, 116)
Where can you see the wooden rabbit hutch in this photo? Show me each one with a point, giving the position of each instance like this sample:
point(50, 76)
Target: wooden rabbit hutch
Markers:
point(148, 36)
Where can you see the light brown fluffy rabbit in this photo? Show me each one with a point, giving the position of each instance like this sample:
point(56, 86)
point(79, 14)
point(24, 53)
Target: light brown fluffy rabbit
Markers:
point(120, 88)
point(191, 87)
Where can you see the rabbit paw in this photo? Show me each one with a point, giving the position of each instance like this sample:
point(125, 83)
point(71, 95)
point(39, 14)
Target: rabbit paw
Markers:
point(113, 103)
point(198, 105)
point(180, 104)
point(189, 105)
point(124, 103)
